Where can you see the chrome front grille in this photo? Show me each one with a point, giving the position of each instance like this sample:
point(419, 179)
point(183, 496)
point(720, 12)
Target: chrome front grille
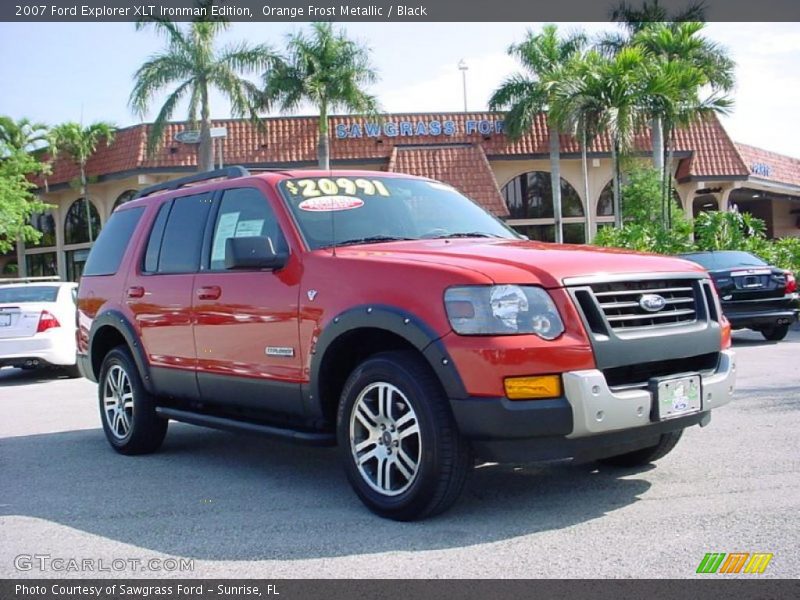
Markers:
point(624, 304)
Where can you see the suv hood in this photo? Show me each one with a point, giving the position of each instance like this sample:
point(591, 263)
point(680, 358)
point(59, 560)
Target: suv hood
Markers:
point(521, 261)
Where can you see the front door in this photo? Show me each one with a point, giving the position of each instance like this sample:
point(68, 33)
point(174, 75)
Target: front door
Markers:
point(246, 321)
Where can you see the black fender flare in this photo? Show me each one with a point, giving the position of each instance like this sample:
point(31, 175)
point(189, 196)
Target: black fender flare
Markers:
point(394, 320)
point(116, 320)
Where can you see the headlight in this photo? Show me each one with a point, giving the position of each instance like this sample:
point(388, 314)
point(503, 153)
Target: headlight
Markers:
point(502, 310)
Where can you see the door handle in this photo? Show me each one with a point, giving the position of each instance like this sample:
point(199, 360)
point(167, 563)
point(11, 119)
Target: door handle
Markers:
point(210, 292)
point(135, 291)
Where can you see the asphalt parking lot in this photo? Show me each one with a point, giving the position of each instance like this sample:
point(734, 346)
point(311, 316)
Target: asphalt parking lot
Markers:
point(248, 507)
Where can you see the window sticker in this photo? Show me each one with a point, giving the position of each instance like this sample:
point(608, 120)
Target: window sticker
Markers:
point(314, 188)
point(249, 228)
point(226, 228)
point(330, 203)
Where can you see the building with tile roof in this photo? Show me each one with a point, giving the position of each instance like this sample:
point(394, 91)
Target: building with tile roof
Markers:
point(470, 151)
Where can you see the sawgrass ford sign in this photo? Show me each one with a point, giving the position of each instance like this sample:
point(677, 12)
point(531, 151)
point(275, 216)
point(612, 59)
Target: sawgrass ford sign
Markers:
point(418, 127)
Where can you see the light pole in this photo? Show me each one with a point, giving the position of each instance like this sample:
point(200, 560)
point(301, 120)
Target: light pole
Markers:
point(462, 66)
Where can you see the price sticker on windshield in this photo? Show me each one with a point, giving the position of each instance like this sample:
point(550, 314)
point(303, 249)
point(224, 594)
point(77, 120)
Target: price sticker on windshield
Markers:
point(311, 188)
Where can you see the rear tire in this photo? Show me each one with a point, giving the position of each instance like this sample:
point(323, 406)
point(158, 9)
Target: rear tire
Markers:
point(775, 333)
point(645, 456)
point(401, 448)
point(127, 410)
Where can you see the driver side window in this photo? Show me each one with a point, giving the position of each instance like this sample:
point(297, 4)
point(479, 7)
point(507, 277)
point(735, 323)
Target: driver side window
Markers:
point(243, 212)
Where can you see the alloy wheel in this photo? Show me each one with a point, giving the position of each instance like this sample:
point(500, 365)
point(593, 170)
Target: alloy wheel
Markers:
point(385, 440)
point(118, 402)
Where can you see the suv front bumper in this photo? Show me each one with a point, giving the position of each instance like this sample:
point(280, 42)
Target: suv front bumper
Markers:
point(591, 419)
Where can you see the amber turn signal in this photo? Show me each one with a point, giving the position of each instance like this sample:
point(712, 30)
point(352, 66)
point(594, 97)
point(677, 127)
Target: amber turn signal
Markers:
point(533, 388)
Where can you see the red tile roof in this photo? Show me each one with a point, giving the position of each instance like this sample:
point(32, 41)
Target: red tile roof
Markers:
point(465, 167)
point(763, 164)
point(293, 141)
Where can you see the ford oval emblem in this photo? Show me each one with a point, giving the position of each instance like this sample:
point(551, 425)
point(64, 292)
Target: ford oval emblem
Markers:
point(652, 302)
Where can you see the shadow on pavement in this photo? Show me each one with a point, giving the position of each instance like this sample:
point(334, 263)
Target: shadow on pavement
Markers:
point(215, 496)
point(10, 376)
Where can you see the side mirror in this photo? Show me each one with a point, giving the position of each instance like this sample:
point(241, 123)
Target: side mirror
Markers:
point(255, 252)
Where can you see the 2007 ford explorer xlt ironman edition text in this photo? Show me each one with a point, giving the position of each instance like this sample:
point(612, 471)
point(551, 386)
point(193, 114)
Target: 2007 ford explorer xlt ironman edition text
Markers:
point(392, 316)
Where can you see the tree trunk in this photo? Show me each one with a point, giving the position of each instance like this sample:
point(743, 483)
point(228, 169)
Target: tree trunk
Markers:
point(616, 183)
point(585, 166)
point(668, 176)
point(657, 137)
point(555, 179)
point(205, 157)
point(86, 201)
point(323, 144)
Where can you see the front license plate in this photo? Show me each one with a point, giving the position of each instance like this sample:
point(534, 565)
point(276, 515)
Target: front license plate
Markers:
point(677, 397)
point(5, 320)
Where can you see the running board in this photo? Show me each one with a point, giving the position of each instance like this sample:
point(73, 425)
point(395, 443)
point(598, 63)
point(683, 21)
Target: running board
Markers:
point(298, 437)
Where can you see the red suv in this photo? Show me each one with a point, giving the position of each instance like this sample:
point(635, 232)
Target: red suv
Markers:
point(392, 316)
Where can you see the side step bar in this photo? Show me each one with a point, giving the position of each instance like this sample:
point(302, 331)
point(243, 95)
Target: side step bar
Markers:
point(299, 437)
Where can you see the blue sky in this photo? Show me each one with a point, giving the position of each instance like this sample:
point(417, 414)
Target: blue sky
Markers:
point(55, 72)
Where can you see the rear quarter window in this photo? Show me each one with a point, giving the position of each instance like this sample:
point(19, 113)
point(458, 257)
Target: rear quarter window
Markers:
point(108, 250)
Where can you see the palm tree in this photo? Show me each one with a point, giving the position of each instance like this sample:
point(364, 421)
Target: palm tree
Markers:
point(623, 85)
point(328, 70)
point(22, 135)
point(79, 143)
point(190, 66)
point(545, 57)
point(700, 74)
point(578, 107)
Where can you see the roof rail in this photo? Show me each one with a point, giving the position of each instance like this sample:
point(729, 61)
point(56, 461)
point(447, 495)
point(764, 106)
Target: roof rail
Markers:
point(174, 184)
point(29, 279)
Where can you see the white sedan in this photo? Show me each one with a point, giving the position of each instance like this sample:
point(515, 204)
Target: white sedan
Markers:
point(37, 325)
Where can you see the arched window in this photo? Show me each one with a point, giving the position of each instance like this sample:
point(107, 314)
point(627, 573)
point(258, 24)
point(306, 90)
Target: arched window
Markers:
point(124, 197)
point(529, 198)
point(82, 223)
point(46, 224)
point(605, 204)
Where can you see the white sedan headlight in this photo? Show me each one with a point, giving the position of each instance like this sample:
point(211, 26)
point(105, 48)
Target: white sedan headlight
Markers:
point(502, 310)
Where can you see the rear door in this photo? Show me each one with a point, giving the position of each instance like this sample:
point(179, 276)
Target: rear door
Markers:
point(246, 327)
point(159, 293)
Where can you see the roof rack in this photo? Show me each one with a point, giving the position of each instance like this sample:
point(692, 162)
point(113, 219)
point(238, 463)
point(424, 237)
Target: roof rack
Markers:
point(29, 279)
point(174, 184)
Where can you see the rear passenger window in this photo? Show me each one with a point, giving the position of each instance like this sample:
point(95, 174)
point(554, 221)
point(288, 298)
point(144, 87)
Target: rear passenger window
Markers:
point(108, 250)
point(178, 248)
point(243, 212)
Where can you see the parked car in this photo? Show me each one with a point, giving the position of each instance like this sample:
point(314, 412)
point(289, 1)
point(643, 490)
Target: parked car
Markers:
point(37, 324)
point(754, 295)
point(392, 316)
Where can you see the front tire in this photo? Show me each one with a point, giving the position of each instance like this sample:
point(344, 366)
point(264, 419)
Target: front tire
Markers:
point(645, 456)
point(775, 333)
point(399, 443)
point(127, 410)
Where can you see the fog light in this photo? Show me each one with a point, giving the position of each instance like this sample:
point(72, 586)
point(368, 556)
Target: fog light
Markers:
point(533, 388)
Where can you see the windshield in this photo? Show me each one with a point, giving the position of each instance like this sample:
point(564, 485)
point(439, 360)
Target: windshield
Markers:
point(715, 261)
point(338, 211)
point(28, 293)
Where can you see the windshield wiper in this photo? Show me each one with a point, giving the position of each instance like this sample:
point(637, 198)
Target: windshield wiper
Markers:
point(469, 234)
point(372, 239)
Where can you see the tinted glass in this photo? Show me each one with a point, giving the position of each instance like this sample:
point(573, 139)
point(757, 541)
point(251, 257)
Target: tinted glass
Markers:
point(156, 235)
point(110, 246)
point(243, 212)
point(28, 293)
point(714, 261)
point(348, 210)
point(183, 235)
point(530, 196)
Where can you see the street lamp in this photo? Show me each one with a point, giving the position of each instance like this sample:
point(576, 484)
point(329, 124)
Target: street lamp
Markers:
point(462, 66)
